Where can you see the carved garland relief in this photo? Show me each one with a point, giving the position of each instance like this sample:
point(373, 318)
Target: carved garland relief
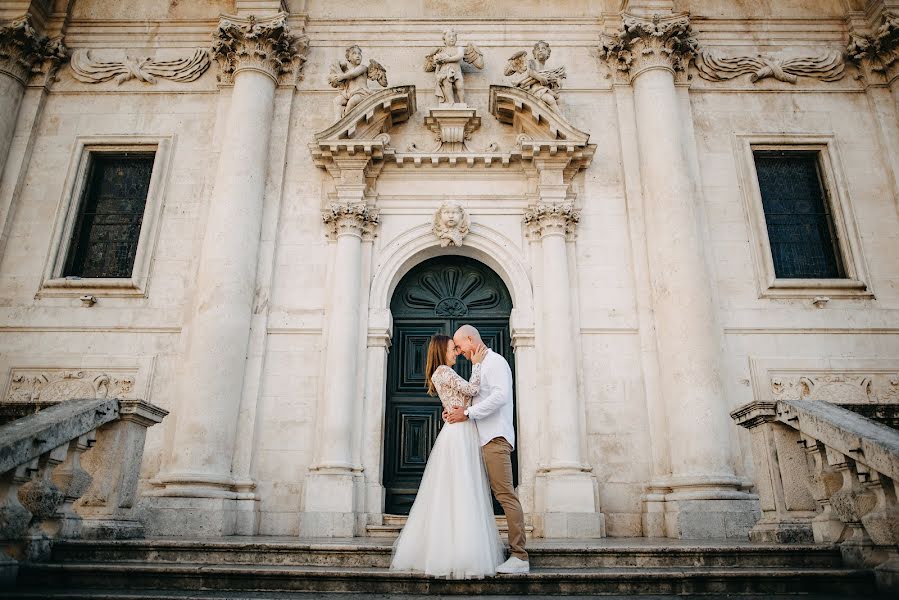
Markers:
point(57, 385)
point(88, 70)
point(840, 388)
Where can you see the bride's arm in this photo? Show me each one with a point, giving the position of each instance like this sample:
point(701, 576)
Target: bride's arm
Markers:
point(451, 379)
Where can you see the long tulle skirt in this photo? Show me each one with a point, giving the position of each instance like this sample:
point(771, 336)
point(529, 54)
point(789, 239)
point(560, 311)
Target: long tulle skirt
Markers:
point(451, 531)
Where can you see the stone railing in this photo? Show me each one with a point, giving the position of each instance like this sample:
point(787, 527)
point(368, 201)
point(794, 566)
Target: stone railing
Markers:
point(70, 471)
point(826, 474)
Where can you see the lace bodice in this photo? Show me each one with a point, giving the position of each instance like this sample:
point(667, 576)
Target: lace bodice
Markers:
point(452, 389)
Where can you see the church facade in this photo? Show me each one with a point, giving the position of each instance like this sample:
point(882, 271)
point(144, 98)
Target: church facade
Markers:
point(255, 213)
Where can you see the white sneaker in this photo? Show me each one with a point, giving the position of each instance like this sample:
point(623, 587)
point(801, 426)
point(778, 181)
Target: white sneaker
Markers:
point(514, 565)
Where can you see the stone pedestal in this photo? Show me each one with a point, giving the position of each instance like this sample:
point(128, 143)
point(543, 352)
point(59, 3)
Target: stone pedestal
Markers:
point(452, 125)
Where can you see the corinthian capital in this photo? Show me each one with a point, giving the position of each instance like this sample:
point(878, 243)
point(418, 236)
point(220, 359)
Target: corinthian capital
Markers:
point(643, 44)
point(264, 44)
point(551, 219)
point(357, 219)
point(877, 52)
point(23, 51)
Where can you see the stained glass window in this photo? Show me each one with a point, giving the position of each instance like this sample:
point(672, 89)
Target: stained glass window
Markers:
point(797, 214)
point(104, 240)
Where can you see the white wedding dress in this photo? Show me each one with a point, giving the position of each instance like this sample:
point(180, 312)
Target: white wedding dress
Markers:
point(451, 531)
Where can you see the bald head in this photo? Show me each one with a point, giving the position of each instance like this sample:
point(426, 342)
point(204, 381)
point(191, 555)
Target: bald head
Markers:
point(467, 340)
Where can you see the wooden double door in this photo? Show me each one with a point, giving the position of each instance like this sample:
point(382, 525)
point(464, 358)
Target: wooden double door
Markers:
point(437, 296)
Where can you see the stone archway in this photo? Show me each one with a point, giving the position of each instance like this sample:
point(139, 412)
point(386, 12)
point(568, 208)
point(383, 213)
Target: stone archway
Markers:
point(436, 296)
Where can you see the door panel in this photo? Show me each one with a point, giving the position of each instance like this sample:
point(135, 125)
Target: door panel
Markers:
point(437, 296)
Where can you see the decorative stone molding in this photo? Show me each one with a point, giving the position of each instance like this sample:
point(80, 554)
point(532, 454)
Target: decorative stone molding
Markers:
point(552, 219)
point(876, 52)
point(88, 70)
point(23, 51)
point(452, 127)
point(58, 385)
point(838, 388)
point(641, 44)
point(451, 224)
point(357, 219)
point(263, 44)
point(534, 77)
point(712, 66)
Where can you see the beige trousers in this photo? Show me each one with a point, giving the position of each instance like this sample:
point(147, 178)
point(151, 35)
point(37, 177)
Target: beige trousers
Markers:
point(498, 460)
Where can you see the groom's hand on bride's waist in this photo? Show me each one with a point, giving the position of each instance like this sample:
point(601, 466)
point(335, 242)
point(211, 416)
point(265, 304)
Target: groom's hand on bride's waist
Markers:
point(456, 415)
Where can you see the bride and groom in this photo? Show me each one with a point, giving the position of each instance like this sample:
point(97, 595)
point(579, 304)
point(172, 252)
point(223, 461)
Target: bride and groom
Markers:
point(451, 531)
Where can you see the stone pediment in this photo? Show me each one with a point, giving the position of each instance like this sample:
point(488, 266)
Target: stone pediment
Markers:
point(537, 125)
point(365, 129)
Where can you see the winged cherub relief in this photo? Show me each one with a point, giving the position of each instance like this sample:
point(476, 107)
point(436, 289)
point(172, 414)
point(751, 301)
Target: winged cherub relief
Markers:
point(351, 78)
point(446, 62)
point(533, 76)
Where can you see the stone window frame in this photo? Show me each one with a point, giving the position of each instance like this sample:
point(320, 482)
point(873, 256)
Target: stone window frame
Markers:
point(856, 282)
point(54, 284)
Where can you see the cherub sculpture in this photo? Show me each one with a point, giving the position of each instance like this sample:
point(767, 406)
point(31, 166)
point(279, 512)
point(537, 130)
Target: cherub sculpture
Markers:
point(450, 224)
point(351, 78)
point(533, 76)
point(447, 62)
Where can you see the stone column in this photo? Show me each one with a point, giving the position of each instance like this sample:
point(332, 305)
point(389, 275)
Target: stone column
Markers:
point(254, 54)
point(703, 498)
point(567, 494)
point(22, 52)
point(333, 487)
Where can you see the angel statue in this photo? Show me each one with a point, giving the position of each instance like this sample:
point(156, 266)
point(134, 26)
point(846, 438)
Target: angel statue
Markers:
point(447, 62)
point(351, 78)
point(533, 76)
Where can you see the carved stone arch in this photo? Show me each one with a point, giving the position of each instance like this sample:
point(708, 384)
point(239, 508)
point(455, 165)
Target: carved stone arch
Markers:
point(483, 244)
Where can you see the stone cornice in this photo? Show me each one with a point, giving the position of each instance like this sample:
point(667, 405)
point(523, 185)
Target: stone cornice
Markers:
point(351, 218)
point(545, 219)
point(23, 51)
point(643, 44)
point(263, 44)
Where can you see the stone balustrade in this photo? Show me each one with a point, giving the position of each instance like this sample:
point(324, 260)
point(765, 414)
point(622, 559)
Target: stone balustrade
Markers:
point(826, 474)
point(70, 471)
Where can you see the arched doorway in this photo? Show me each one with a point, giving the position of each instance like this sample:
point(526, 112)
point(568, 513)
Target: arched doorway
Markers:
point(436, 296)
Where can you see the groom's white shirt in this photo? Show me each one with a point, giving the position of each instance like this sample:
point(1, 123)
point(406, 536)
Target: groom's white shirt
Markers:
point(491, 408)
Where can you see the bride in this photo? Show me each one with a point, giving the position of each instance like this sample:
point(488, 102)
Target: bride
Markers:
point(451, 531)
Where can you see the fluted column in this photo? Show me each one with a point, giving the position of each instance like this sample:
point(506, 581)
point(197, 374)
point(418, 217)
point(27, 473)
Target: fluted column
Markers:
point(703, 497)
point(333, 487)
point(255, 54)
point(23, 51)
point(566, 495)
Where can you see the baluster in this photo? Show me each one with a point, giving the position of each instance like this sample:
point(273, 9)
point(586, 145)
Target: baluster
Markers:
point(42, 498)
point(882, 522)
point(825, 481)
point(73, 480)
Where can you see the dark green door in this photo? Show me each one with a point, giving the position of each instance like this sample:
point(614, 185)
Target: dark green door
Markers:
point(437, 296)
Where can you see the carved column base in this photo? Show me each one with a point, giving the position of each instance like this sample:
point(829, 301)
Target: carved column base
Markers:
point(700, 508)
point(189, 516)
point(567, 505)
point(333, 504)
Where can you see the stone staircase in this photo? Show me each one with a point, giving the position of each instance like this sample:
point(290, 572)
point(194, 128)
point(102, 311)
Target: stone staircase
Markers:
point(393, 524)
point(291, 568)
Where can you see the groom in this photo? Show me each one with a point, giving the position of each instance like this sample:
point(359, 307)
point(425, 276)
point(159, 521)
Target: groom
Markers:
point(491, 410)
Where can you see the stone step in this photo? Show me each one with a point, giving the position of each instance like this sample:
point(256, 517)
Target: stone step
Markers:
point(548, 581)
point(393, 524)
point(376, 553)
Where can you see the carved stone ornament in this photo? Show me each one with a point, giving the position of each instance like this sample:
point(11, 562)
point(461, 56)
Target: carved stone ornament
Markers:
point(88, 70)
point(839, 388)
point(451, 224)
point(29, 385)
point(712, 66)
point(643, 44)
point(552, 219)
point(351, 79)
point(350, 219)
point(878, 51)
point(446, 63)
point(24, 52)
point(533, 75)
point(264, 44)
